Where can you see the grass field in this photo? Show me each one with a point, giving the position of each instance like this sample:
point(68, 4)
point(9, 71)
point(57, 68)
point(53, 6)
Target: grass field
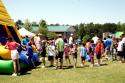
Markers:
point(110, 72)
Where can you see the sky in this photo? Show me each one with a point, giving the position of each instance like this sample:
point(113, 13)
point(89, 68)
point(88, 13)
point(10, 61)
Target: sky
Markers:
point(67, 11)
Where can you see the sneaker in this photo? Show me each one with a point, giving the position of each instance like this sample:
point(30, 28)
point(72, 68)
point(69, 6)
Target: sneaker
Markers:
point(120, 61)
point(14, 74)
point(82, 65)
point(91, 65)
point(98, 65)
point(74, 67)
point(18, 74)
point(43, 66)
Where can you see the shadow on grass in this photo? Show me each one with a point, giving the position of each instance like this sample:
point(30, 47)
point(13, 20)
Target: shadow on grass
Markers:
point(105, 64)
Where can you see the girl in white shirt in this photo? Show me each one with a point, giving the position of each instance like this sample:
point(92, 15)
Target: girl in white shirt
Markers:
point(51, 53)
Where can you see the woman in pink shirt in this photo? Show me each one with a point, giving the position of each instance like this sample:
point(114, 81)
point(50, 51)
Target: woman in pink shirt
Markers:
point(11, 45)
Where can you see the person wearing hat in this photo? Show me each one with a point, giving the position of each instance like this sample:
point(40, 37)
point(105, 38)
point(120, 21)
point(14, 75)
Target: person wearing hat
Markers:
point(60, 50)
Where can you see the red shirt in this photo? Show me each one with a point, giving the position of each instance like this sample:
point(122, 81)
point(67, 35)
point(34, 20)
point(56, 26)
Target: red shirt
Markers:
point(98, 48)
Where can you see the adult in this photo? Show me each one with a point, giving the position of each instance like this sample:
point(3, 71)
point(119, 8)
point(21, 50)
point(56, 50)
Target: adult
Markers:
point(108, 44)
point(37, 41)
point(95, 39)
point(60, 50)
point(71, 41)
point(12, 46)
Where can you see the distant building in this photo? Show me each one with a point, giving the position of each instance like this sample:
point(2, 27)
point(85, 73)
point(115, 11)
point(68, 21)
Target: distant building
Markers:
point(61, 29)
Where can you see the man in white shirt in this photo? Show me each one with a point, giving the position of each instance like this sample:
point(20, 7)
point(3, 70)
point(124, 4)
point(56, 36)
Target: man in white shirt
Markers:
point(71, 41)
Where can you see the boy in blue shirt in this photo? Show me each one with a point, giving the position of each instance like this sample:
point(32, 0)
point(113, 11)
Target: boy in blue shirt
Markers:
point(83, 52)
point(30, 53)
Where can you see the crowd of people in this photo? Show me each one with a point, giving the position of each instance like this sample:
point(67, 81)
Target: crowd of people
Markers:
point(60, 49)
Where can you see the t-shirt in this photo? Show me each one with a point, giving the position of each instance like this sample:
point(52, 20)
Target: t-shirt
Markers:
point(108, 43)
point(11, 45)
point(24, 41)
point(98, 48)
point(83, 51)
point(70, 40)
point(29, 51)
point(51, 50)
point(66, 51)
point(120, 46)
point(60, 45)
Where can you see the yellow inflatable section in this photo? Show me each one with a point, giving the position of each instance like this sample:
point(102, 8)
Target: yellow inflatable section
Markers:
point(5, 53)
point(11, 30)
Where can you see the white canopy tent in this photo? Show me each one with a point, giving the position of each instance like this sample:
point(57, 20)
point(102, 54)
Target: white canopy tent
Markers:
point(23, 32)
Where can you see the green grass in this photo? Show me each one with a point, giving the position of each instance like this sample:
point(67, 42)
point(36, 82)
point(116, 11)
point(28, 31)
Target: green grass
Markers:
point(113, 72)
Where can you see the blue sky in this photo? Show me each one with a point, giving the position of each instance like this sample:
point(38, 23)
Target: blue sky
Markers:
point(67, 11)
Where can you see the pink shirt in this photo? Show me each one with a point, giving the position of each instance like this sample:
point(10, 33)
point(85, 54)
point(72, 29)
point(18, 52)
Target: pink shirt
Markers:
point(66, 51)
point(11, 45)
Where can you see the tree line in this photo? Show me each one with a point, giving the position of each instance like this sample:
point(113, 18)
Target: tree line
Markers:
point(82, 29)
point(92, 29)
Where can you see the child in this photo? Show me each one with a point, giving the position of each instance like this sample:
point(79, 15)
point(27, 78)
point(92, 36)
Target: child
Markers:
point(66, 52)
point(30, 53)
point(74, 53)
point(83, 52)
point(92, 53)
point(43, 53)
point(11, 45)
point(51, 53)
point(98, 51)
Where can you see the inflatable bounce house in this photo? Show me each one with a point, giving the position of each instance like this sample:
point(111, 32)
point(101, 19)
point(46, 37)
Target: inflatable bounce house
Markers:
point(8, 29)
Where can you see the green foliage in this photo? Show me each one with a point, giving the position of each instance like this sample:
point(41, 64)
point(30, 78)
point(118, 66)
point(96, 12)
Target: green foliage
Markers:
point(42, 24)
point(52, 35)
point(43, 28)
point(85, 38)
point(27, 25)
point(97, 29)
point(43, 31)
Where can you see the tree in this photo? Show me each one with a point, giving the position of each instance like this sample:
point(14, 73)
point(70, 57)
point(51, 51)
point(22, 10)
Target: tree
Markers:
point(52, 35)
point(27, 25)
point(19, 23)
point(109, 27)
point(85, 38)
point(43, 28)
point(42, 24)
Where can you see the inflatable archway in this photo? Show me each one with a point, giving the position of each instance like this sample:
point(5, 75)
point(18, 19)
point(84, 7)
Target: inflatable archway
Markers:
point(8, 29)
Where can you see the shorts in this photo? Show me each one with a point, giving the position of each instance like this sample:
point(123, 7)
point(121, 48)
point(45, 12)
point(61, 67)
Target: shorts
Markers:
point(43, 54)
point(120, 53)
point(66, 57)
point(50, 58)
point(98, 56)
point(60, 55)
point(74, 55)
point(83, 58)
point(14, 54)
